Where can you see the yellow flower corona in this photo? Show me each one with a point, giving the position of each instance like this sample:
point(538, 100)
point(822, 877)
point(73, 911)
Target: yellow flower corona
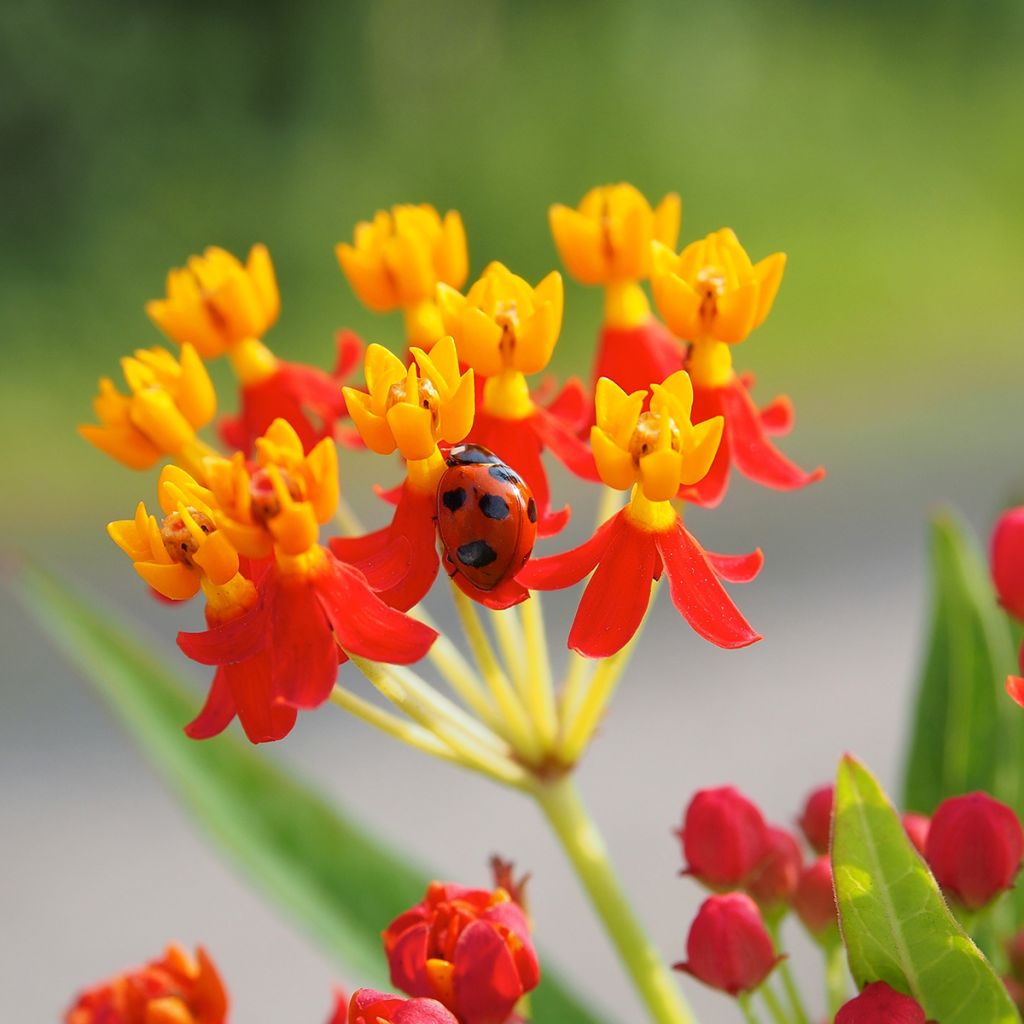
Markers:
point(607, 238)
point(655, 451)
point(169, 400)
point(284, 502)
point(711, 291)
point(185, 550)
point(216, 303)
point(413, 407)
point(505, 329)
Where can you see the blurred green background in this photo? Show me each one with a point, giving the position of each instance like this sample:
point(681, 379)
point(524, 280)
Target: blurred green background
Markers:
point(879, 144)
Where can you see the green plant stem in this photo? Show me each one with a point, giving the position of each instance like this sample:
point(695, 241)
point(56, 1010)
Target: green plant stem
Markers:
point(747, 1009)
point(835, 977)
point(775, 1008)
point(561, 804)
point(799, 1011)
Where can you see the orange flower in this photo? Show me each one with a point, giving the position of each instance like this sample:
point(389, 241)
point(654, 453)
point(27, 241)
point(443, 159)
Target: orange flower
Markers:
point(172, 990)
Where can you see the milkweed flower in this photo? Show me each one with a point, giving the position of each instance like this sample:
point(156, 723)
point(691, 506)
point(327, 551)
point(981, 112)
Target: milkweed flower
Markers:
point(224, 307)
point(410, 409)
point(370, 1007)
point(470, 949)
point(917, 827)
point(397, 260)
point(186, 552)
point(1007, 561)
point(816, 818)
point(313, 609)
point(712, 296)
point(815, 901)
point(880, 1002)
point(773, 881)
point(174, 989)
point(506, 330)
point(728, 947)
point(652, 454)
point(607, 241)
point(168, 400)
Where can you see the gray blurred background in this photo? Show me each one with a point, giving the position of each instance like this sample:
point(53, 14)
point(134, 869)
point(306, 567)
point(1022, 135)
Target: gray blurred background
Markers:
point(878, 144)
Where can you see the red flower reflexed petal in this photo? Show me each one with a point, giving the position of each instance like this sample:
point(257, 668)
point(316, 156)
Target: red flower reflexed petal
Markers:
point(777, 417)
point(216, 713)
point(226, 642)
point(571, 405)
point(370, 1007)
point(561, 438)
point(556, 572)
point(506, 594)
point(408, 958)
point(486, 982)
point(362, 623)
point(517, 443)
point(634, 357)
point(616, 598)
point(736, 568)
point(399, 561)
point(698, 595)
point(1015, 688)
point(1007, 560)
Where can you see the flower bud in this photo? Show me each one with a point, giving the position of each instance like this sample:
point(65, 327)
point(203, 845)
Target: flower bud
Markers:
point(1007, 556)
point(467, 948)
point(916, 826)
point(173, 988)
point(729, 947)
point(774, 880)
point(974, 848)
point(816, 820)
point(724, 836)
point(878, 1002)
point(370, 1007)
point(815, 901)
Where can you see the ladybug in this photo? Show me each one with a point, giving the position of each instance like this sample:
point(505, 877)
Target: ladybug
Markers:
point(486, 517)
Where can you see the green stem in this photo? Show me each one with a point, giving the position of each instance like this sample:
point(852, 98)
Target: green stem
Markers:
point(835, 977)
point(800, 1015)
point(747, 1009)
point(771, 1000)
point(561, 804)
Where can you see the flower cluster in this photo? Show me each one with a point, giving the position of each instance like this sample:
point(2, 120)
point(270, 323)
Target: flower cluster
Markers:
point(474, 425)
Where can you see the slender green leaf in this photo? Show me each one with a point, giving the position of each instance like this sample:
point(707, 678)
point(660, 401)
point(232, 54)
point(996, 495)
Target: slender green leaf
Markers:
point(895, 923)
point(967, 734)
point(342, 885)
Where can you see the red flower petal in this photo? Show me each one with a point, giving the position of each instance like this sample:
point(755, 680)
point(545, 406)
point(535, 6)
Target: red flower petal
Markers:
point(637, 357)
point(227, 642)
point(571, 405)
point(506, 594)
point(261, 716)
point(736, 568)
point(618, 593)
point(777, 416)
point(216, 713)
point(754, 455)
point(698, 595)
point(555, 572)
point(1015, 688)
point(560, 439)
point(350, 351)
point(408, 958)
point(486, 983)
point(363, 623)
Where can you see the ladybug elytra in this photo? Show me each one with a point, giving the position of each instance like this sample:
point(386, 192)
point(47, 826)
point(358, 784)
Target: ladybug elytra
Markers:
point(486, 517)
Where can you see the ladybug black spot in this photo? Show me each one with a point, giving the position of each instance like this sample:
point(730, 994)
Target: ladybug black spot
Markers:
point(454, 499)
point(494, 507)
point(476, 554)
point(531, 510)
point(504, 474)
point(470, 455)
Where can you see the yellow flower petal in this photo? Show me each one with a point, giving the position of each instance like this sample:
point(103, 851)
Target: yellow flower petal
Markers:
point(769, 276)
point(195, 394)
point(412, 428)
point(174, 581)
point(373, 429)
point(458, 411)
point(736, 311)
point(261, 272)
point(217, 558)
point(667, 218)
point(700, 449)
point(678, 304)
point(295, 529)
point(660, 474)
point(452, 255)
point(614, 464)
point(579, 243)
point(478, 339)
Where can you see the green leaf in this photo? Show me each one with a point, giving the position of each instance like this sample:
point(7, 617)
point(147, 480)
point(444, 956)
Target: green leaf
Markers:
point(895, 923)
point(967, 733)
point(337, 881)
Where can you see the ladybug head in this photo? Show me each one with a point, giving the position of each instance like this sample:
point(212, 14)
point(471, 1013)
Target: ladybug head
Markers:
point(471, 455)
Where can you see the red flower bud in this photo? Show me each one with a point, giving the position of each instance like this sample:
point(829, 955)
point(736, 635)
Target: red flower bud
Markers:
point(369, 1007)
point(816, 820)
point(916, 826)
point(729, 947)
point(1008, 561)
point(815, 900)
point(774, 879)
point(877, 1003)
point(724, 837)
point(173, 988)
point(974, 848)
point(467, 948)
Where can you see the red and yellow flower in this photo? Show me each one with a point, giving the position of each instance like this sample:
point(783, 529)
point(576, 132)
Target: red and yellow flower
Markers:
point(174, 989)
point(607, 241)
point(505, 331)
point(224, 307)
point(411, 409)
point(312, 609)
point(469, 949)
point(652, 453)
point(397, 260)
point(712, 297)
point(168, 401)
point(368, 1006)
